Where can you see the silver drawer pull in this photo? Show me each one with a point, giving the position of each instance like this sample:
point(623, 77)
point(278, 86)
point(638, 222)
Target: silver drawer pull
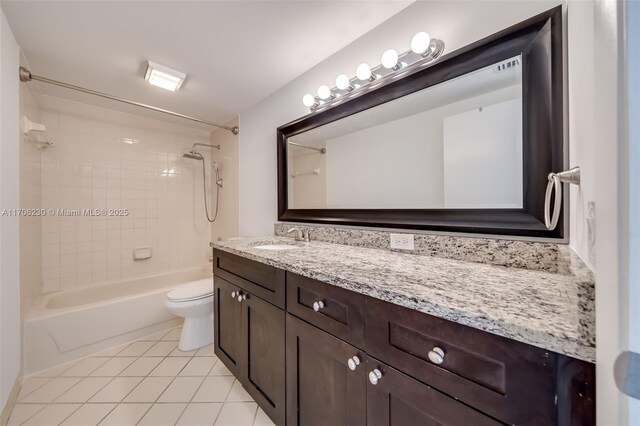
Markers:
point(436, 355)
point(353, 363)
point(233, 294)
point(241, 297)
point(374, 376)
point(318, 305)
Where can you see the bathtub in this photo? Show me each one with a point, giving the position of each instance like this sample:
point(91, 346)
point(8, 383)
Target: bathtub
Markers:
point(71, 324)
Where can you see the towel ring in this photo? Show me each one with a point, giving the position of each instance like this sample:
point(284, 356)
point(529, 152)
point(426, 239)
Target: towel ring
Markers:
point(555, 185)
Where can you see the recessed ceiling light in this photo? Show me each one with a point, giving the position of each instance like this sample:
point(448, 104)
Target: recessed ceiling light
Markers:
point(165, 77)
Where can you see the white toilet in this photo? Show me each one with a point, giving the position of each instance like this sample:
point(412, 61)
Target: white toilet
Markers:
point(194, 302)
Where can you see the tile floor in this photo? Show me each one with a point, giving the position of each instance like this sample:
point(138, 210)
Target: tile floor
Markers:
point(146, 382)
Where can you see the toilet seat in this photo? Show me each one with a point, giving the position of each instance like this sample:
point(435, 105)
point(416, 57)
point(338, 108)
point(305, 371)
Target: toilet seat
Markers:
point(194, 290)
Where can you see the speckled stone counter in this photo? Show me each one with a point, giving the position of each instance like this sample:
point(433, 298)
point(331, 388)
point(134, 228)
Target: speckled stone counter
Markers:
point(551, 310)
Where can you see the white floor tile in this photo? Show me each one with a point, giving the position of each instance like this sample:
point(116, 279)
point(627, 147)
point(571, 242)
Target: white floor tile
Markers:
point(161, 349)
point(173, 334)
point(178, 352)
point(30, 384)
point(262, 419)
point(149, 389)
point(162, 414)
point(84, 390)
point(219, 369)
point(181, 389)
point(142, 366)
point(170, 366)
point(135, 349)
point(206, 351)
point(198, 366)
point(84, 367)
point(116, 390)
point(88, 415)
point(237, 414)
point(202, 414)
point(238, 393)
point(113, 367)
point(50, 390)
point(52, 415)
point(125, 415)
point(214, 389)
point(22, 412)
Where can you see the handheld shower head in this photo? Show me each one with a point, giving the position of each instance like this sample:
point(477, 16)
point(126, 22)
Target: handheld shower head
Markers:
point(193, 155)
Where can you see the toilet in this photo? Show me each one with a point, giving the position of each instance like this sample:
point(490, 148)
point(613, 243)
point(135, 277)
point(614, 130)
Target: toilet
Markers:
point(194, 302)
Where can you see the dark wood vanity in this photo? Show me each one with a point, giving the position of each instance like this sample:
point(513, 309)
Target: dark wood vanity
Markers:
point(312, 353)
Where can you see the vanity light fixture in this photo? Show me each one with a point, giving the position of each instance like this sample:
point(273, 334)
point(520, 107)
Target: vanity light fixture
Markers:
point(164, 77)
point(390, 60)
point(343, 83)
point(423, 49)
point(325, 93)
point(363, 72)
point(310, 101)
point(420, 43)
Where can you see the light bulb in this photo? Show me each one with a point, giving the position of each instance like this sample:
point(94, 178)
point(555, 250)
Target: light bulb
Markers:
point(342, 82)
point(324, 92)
point(363, 72)
point(420, 43)
point(308, 100)
point(390, 59)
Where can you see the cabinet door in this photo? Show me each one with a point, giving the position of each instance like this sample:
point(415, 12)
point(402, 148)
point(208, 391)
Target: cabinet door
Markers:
point(399, 400)
point(263, 363)
point(321, 388)
point(227, 324)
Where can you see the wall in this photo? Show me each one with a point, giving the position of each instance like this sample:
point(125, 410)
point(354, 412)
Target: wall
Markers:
point(9, 246)
point(226, 225)
point(105, 159)
point(30, 198)
point(458, 23)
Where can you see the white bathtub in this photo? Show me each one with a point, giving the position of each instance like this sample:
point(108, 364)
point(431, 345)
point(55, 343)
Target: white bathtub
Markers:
point(68, 325)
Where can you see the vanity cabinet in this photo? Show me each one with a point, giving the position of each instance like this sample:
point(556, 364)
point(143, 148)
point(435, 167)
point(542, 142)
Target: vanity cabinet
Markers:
point(311, 353)
point(249, 331)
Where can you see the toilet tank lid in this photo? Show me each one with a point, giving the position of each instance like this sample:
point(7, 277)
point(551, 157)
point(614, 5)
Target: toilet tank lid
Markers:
point(192, 290)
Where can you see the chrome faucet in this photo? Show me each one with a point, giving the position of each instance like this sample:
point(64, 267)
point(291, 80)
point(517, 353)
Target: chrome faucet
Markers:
point(300, 234)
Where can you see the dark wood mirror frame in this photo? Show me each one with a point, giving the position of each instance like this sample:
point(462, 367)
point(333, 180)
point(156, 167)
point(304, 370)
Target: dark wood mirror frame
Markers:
point(539, 40)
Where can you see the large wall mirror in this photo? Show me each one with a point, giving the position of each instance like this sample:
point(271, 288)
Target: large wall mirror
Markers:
point(464, 145)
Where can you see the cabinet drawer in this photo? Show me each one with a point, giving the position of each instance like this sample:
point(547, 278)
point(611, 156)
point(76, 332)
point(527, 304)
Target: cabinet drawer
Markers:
point(397, 399)
point(341, 312)
point(508, 380)
point(262, 280)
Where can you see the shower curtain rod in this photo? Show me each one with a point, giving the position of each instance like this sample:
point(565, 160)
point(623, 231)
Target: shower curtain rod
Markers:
point(25, 75)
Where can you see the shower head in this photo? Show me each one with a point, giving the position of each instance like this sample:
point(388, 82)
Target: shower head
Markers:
point(194, 155)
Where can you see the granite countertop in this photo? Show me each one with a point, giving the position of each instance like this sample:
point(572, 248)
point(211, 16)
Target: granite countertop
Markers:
point(553, 311)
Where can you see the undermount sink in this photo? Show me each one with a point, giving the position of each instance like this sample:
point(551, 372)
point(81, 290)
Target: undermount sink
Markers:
point(276, 247)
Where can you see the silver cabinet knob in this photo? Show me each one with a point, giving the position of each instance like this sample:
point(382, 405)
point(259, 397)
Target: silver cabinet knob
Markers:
point(436, 355)
point(353, 363)
point(241, 297)
point(233, 294)
point(374, 376)
point(318, 305)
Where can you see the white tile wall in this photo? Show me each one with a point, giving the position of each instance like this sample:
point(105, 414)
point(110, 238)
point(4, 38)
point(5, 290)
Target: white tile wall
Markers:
point(105, 159)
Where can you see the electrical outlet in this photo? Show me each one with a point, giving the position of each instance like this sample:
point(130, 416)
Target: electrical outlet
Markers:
point(402, 241)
